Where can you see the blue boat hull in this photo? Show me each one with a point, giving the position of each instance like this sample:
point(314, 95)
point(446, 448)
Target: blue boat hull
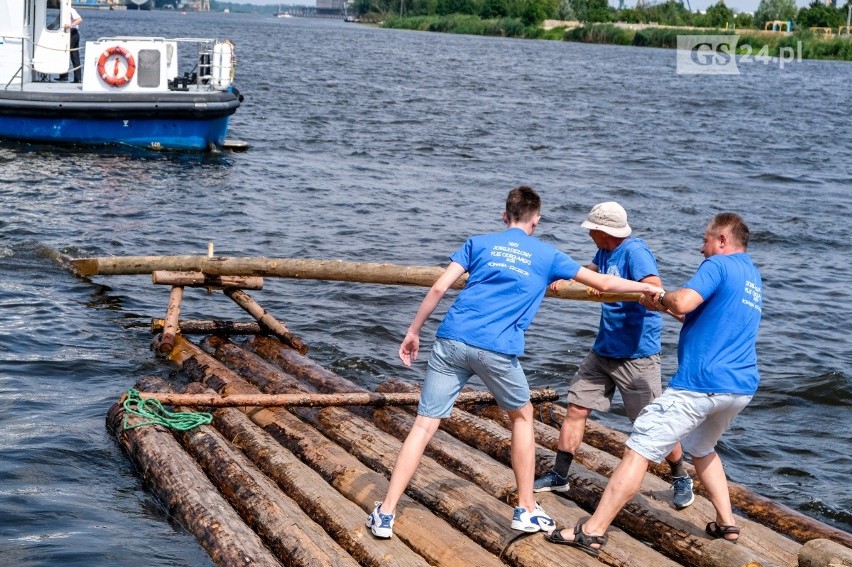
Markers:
point(173, 121)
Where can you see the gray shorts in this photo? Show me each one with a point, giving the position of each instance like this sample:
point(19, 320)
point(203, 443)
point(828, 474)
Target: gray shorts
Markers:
point(451, 365)
point(637, 379)
point(695, 419)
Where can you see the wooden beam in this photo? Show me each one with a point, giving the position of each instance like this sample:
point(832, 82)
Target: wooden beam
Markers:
point(313, 400)
point(200, 279)
point(263, 317)
point(208, 327)
point(332, 270)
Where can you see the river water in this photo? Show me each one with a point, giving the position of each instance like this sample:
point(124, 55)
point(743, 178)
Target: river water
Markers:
point(373, 145)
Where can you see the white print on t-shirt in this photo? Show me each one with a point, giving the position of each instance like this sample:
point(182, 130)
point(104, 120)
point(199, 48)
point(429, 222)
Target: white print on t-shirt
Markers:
point(754, 292)
point(510, 256)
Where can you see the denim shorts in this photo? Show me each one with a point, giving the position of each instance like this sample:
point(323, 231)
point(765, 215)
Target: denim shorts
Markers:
point(637, 379)
point(695, 419)
point(452, 363)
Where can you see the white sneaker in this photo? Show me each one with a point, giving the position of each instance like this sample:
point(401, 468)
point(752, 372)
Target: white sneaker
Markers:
point(532, 521)
point(380, 524)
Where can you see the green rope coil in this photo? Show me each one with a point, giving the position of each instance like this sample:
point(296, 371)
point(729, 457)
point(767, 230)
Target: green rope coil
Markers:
point(153, 413)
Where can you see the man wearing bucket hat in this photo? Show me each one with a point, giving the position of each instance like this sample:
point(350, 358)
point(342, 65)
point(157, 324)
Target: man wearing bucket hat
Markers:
point(626, 353)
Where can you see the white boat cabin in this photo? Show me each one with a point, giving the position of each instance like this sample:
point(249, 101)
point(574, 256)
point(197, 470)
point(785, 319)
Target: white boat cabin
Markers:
point(34, 48)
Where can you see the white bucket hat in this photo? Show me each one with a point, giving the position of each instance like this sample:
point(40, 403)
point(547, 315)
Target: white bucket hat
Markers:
point(609, 217)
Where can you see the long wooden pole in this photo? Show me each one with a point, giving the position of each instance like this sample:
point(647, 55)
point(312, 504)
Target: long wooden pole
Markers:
point(334, 270)
point(314, 400)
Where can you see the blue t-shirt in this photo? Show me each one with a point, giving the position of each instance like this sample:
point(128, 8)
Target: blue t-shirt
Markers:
point(508, 274)
point(716, 352)
point(628, 330)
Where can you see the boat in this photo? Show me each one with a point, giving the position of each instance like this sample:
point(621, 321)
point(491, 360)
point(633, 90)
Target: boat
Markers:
point(132, 90)
point(280, 14)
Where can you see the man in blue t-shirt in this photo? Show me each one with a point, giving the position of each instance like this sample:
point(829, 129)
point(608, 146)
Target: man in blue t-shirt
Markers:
point(626, 353)
point(716, 378)
point(483, 334)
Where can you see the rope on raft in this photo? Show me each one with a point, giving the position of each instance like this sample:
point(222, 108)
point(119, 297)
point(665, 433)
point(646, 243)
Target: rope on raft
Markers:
point(153, 413)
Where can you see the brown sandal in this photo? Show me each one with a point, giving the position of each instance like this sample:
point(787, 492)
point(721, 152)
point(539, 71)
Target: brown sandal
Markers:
point(581, 539)
point(717, 530)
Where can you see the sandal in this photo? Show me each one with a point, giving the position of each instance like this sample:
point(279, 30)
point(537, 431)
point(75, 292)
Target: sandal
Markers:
point(581, 539)
point(717, 530)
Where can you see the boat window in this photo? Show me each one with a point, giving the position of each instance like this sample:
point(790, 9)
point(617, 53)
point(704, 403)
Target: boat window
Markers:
point(51, 15)
point(149, 68)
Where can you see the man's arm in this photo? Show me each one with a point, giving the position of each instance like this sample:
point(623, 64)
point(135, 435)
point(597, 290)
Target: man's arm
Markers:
point(679, 302)
point(411, 343)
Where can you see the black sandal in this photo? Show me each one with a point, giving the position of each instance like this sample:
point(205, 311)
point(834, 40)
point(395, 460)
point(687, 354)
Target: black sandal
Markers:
point(581, 539)
point(717, 530)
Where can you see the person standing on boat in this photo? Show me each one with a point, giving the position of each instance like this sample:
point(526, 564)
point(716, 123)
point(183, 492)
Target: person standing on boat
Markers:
point(72, 21)
point(482, 334)
point(716, 378)
point(626, 353)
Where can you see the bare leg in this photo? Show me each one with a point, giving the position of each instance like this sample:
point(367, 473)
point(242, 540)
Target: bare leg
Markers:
point(621, 488)
point(675, 455)
point(409, 459)
point(523, 454)
point(712, 475)
point(573, 428)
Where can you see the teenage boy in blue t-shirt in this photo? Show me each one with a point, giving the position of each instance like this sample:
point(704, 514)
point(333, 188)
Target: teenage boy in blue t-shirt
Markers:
point(716, 378)
point(483, 334)
point(626, 353)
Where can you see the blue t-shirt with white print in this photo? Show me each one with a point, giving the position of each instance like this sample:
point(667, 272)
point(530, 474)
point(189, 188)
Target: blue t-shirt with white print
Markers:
point(508, 275)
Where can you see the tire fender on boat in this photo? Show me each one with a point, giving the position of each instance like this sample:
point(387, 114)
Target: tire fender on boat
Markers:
point(115, 79)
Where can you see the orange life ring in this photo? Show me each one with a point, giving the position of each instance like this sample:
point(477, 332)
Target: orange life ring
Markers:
point(114, 79)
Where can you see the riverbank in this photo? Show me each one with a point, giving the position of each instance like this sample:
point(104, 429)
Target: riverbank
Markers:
point(755, 43)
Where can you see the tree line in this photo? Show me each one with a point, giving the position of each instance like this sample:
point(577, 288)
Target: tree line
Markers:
point(668, 13)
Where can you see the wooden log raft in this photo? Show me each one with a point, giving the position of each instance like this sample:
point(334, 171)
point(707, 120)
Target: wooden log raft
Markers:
point(334, 270)
point(480, 516)
point(448, 451)
point(649, 516)
point(288, 531)
point(440, 545)
point(767, 512)
point(188, 495)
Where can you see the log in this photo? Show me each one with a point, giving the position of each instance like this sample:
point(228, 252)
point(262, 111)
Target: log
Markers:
point(779, 517)
point(721, 553)
point(263, 317)
point(206, 327)
point(292, 534)
point(333, 270)
point(200, 279)
point(824, 553)
point(313, 400)
point(188, 495)
point(441, 544)
point(170, 328)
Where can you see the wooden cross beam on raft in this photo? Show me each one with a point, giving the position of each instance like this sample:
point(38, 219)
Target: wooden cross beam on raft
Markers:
point(332, 270)
point(338, 399)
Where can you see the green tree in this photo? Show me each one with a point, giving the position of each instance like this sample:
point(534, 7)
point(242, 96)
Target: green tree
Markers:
point(719, 15)
point(492, 9)
point(769, 10)
point(820, 15)
point(744, 20)
point(591, 10)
